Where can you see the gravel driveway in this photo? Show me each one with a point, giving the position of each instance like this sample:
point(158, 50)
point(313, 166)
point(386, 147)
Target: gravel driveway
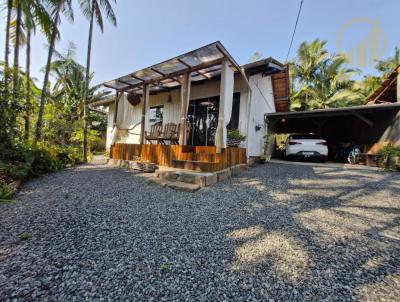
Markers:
point(277, 232)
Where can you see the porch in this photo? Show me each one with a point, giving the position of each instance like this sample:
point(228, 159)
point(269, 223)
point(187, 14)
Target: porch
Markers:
point(197, 158)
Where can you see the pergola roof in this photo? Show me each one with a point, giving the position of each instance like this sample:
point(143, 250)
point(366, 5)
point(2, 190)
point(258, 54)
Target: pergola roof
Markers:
point(204, 63)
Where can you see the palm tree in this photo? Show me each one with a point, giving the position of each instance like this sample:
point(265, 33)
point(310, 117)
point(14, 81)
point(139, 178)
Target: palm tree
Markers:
point(4, 100)
point(57, 7)
point(387, 65)
point(15, 94)
point(93, 9)
point(7, 42)
point(35, 14)
point(320, 80)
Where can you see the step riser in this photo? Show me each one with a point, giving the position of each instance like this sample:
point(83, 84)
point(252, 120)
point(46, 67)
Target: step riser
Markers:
point(204, 179)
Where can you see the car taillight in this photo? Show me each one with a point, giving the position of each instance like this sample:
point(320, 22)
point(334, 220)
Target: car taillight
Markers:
point(294, 143)
point(322, 143)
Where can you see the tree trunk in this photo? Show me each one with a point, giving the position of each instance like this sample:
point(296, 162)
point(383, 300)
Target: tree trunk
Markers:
point(7, 43)
point(39, 123)
point(16, 85)
point(4, 102)
point(28, 84)
point(85, 100)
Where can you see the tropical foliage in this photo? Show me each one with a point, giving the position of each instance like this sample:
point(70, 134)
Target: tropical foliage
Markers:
point(45, 122)
point(322, 80)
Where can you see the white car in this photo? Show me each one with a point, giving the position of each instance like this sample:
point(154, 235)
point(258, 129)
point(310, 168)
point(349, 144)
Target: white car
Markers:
point(306, 145)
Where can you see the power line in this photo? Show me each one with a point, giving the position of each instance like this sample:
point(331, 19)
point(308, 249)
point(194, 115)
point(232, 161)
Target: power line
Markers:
point(294, 31)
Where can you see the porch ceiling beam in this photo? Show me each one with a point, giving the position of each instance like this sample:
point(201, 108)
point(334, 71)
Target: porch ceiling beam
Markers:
point(364, 119)
point(189, 66)
point(203, 75)
point(126, 83)
point(163, 74)
point(137, 78)
point(184, 63)
point(174, 74)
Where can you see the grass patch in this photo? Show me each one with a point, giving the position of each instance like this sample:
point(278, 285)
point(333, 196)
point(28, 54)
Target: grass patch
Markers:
point(24, 236)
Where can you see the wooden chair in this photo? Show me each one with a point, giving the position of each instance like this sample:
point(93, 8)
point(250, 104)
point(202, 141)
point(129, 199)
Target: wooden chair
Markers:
point(154, 134)
point(168, 132)
point(175, 137)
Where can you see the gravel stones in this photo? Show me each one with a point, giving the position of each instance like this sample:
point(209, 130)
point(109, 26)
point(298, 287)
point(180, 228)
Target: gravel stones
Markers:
point(275, 233)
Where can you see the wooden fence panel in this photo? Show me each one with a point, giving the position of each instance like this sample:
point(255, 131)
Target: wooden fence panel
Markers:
point(164, 155)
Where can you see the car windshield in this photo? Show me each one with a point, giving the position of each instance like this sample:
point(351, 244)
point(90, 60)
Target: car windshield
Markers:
point(305, 136)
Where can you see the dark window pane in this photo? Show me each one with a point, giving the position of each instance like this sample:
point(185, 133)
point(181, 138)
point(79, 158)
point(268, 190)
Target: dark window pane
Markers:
point(156, 114)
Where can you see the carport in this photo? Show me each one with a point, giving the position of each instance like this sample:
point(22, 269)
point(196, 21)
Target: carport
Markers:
point(369, 126)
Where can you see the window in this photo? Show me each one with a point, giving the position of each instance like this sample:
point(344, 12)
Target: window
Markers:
point(156, 115)
point(234, 122)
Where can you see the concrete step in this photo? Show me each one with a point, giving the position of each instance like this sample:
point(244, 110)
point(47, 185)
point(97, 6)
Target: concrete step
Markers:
point(194, 165)
point(176, 185)
point(199, 178)
point(182, 186)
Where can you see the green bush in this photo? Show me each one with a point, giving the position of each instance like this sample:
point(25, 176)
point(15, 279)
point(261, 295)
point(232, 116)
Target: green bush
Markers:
point(18, 170)
point(26, 160)
point(6, 192)
point(387, 157)
point(235, 134)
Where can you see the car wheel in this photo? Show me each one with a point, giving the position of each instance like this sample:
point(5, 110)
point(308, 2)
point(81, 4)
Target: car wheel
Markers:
point(354, 155)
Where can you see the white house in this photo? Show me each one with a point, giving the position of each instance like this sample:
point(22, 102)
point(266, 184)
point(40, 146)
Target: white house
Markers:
point(207, 89)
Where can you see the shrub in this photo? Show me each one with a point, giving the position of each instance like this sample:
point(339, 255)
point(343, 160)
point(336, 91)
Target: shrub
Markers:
point(6, 192)
point(18, 170)
point(235, 134)
point(26, 160)
point(387, 157)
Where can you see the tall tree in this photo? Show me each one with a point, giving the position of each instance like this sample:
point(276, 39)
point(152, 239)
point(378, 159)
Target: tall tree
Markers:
point(5, 88)
point(93, 9)
point(57, 7)
point(16, 77)
point(8, 25)
point(35, 14)
point(320, 80)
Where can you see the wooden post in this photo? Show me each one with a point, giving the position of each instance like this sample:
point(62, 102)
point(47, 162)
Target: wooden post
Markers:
point(185, 79)
point(117, 96)
point(145, 100)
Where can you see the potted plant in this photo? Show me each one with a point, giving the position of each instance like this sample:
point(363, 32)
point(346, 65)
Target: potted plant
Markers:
point(234, 138)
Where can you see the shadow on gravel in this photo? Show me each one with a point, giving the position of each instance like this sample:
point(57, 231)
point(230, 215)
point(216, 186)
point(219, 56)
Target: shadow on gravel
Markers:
point(325, 233)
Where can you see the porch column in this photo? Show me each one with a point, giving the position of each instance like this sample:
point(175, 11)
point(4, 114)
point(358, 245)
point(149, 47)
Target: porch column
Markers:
point(145, 99)
point(225, 105)
point(185, 97)
point(114, 130)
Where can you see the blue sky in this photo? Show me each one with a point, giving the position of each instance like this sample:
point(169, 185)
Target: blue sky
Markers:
point(153, 30)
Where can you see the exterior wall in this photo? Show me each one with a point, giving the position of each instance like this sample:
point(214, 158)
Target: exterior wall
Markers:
point(392, 132)
point(261, 102)
point(252, 104)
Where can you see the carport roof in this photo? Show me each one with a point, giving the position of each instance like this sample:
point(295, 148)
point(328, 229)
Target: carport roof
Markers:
point(332, 111)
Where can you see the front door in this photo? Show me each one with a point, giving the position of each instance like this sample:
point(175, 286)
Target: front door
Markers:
point(203, 116)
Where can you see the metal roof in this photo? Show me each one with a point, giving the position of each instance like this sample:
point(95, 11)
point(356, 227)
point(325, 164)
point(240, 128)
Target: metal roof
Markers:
point(332, 111)
point(204, 63)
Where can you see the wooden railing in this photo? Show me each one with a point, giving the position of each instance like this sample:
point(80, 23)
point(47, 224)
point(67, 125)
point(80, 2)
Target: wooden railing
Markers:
point(165, 155)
